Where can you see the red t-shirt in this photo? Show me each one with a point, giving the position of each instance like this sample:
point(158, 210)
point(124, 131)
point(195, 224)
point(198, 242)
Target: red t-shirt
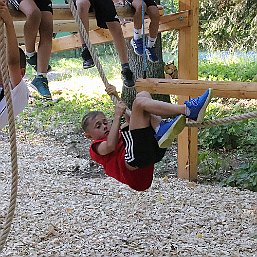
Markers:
point(114, 166)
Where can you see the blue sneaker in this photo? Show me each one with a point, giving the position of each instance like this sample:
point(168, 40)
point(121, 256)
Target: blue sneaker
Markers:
point(151, 54)
point(197, 106)
point(40, 83)
point(137, 45)
point(169, 129)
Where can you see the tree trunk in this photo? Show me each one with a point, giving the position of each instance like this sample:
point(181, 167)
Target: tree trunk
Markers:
point(154, 70)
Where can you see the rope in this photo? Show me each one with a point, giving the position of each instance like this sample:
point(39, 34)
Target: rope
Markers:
point(115, 98)
point(12, 133)
point(223, 121)
point(144, 41)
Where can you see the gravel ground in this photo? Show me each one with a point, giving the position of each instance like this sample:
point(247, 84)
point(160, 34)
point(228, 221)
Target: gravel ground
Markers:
point(62, 214)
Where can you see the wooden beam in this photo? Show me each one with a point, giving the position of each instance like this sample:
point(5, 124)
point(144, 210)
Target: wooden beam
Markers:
point(58, 26)
point(227, 89)
point(188, 69)
point(62, 12)
point(99, 36)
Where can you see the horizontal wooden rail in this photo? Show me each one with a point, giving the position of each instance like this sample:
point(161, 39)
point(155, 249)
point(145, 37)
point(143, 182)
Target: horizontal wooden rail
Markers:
point(228, 89)
point(62, 12)
point(99, 36)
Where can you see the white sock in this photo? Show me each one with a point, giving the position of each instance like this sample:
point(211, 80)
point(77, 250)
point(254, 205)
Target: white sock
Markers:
point(151, 42)
point(42, 73)
point(187, 111)
point(137, 33)
point(157, 128)
point(30, 54)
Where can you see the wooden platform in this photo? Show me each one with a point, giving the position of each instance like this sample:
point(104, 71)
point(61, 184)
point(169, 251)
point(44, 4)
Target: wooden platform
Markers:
point(99, 36)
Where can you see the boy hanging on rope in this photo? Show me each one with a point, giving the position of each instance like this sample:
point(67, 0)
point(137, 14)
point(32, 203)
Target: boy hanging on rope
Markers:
point(107, 18)
point(137, 40)
point(39, 18)
point(16, 62)
point(128, 154)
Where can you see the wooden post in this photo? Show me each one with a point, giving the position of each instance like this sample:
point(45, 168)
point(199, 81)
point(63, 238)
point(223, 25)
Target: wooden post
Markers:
point(188, 69)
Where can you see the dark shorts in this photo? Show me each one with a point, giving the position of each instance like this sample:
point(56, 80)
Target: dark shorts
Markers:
point(141, 147)
point(147, 2)
point(43, 5)
point(104, 12)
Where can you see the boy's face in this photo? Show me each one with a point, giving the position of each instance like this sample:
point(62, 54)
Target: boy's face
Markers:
point(98, 128)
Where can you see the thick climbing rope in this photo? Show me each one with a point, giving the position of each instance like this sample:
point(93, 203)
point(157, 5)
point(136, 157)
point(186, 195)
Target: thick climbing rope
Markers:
point(144, 40)
point(12, 132)
point(223, 121)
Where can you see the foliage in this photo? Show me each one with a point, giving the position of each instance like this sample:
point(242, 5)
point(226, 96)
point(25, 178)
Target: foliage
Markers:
point(223, 24)
point(210, 164)
point(244, 178)
point(228, 66)
point(235, 135)
point(226, 24)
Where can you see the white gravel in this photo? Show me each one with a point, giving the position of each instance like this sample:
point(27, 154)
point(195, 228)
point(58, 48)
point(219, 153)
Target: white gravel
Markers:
point(62, 215)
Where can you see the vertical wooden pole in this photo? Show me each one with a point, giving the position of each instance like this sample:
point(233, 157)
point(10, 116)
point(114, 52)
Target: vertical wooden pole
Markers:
point(188, 69)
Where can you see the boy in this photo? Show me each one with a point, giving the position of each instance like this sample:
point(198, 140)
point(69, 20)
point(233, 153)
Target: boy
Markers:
point(129, 154)
point(137, 40)
point(16, 61)
point(106, 17)
point(39, 14)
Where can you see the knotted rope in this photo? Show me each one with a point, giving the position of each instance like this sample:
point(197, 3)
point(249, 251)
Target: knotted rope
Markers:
point(12, 133)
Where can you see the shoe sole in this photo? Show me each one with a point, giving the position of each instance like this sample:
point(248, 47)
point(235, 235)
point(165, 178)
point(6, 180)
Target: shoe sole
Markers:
point(148, 58)
point(134, 49)
point(41, 96)
point(204, 107)
point(88, 67)
point(176, 128)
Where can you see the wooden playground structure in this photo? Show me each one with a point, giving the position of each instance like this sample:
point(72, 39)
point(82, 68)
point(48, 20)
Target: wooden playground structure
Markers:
point(186, 21)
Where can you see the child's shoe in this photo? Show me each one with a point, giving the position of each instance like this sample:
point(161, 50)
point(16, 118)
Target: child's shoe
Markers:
point(197, 106)
point(169, 129)
point(137, 45)
point(128, 77)
point(151, 54)
point(87, 58)
point(33, 62)
point(40, 83)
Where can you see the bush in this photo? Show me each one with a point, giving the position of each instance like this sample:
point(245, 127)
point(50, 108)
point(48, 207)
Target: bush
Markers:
point(244, 178)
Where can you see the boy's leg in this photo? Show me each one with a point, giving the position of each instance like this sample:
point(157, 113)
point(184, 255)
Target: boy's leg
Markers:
point(137, 40)
point(83, 7)
point(31, 26)
point(119, 42)
point(45, 43)
point(40, 82)
point(85, 54)
point(153, 13)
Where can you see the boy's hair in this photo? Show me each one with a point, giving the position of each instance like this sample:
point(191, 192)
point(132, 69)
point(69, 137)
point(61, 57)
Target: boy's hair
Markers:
point(22, 59)
point(89, 116)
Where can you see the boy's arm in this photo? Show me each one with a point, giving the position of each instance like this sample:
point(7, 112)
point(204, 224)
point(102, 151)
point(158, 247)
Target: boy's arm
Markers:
point(13, 56)
point(109, 145)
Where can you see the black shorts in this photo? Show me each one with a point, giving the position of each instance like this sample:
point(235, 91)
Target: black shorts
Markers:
point(147, 2)
point(104, 12)
point(43, 5)
point(141, 147)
